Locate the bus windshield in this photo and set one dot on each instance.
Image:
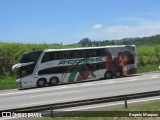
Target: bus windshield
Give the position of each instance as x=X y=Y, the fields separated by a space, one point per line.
x=30 y=57
x=24 y=71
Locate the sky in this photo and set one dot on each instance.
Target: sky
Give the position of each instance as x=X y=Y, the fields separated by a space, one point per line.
x=69 y=21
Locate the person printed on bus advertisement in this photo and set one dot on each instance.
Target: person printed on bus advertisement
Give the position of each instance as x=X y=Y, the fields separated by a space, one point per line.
x=122 y=59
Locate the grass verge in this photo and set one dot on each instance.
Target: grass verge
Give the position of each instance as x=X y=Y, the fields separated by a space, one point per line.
x=148 y=68
x=7 y=83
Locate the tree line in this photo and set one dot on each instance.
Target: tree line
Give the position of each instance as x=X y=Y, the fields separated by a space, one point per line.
x=152 y=40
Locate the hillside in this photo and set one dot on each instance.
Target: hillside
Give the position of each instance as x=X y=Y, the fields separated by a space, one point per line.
x=152 y=40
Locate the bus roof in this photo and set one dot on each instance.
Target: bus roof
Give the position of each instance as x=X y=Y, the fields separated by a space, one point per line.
x=86 y=48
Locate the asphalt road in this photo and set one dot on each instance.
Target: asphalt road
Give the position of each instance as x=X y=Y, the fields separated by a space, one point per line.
x=10 y=99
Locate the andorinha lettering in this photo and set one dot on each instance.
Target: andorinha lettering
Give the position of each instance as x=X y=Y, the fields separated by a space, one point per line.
x=82 y=60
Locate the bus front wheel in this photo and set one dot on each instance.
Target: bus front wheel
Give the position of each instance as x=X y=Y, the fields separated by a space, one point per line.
x=41 y=82
x=53 y=81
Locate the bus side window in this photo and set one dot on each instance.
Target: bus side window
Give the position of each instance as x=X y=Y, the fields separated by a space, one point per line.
x=68 y=55
x=76 y=54
x=55 y=56
x=71 y=54
x=61 y=55
x=46 y=57
x=100 y=52
x=95 y=53
x=83 y=54
x=90 y=53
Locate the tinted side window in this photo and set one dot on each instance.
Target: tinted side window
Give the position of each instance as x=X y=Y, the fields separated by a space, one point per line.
x=89 y=53
x=65 y=55
x=49 y=56
x=101 y=52
x=53 y=70
x=46 y=57
x=76 y=54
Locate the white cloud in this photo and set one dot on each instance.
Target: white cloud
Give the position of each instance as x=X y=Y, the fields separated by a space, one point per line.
x=140 y=29
x=97 y=26
x=119 y=32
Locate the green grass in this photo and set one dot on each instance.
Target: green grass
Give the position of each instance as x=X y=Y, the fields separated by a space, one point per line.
x=7 y=83
x=154 y=106
x=148 y=68
x=148 y=54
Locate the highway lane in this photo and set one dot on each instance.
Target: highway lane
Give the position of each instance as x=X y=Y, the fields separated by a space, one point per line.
x=79 y=91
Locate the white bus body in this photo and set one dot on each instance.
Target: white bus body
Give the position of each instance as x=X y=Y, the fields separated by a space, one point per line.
x=58 y=66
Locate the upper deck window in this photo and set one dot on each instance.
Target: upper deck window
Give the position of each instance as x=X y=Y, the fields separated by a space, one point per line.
x=30 y=57
x=72 y=54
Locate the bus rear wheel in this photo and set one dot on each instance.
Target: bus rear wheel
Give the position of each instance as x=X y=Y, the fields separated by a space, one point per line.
x=108 y=75
x=118 y=74
x=53 y=81
x=41 y=82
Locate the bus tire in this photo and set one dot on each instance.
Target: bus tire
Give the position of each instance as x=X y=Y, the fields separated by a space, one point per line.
x=41 y=82
x=53 y=81
x=118 y=74
x=108 y=75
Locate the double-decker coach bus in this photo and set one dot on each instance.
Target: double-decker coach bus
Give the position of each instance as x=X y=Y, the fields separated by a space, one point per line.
x=57 y=66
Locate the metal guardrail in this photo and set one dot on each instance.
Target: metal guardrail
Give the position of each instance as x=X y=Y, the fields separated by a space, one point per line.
x=54 y=106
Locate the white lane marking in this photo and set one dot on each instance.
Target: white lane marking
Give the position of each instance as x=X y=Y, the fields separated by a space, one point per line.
x=120 y=103
x=52 y=101
x=32 y=91
x=10 y=118
x=75 y=91
x=92 y=107
x=150 y=99
x=154 y=76
x=9 y=90
x=120 y=80
x=88 y=84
